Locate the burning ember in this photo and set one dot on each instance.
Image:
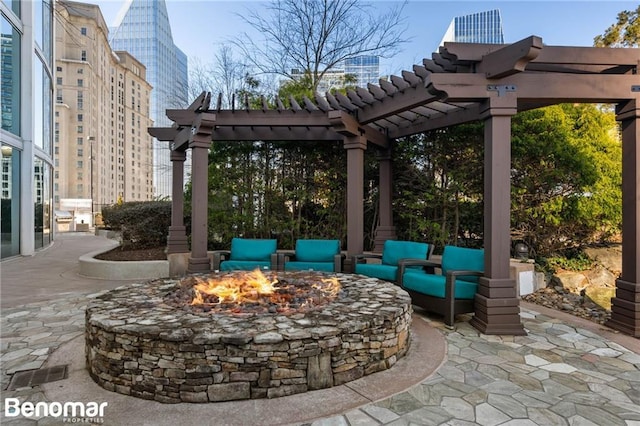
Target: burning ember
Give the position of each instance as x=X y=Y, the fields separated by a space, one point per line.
x=255 y=292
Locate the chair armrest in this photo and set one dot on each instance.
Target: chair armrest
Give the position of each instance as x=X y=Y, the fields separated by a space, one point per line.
x=275 y=261
x=218 y=257
x=450 y=283
x=338 y=261
x=403 y=263
x=284 y=256
x=359 y=258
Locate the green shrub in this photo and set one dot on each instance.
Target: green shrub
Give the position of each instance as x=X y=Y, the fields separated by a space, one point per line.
x=142 y=224
x=574 y=262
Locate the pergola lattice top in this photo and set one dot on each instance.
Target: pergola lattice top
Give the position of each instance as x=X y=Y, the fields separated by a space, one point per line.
x=445 y=90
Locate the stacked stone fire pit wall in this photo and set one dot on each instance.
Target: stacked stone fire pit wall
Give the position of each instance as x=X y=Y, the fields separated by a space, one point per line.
x=137 y=345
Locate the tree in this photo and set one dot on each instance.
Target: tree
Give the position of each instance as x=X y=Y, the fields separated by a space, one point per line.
x=566 y=177
x=624 y=33
x=309 y=37
x=227 y=76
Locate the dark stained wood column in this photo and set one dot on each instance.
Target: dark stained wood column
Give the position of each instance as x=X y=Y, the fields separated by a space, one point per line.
x=497 y=305
x=177 y=241
x=625 y=306
x=199 y=261
x=355 y=146
x=385 y=230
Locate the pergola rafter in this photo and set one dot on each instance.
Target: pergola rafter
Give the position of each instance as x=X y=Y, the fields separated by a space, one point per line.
x=460 y=83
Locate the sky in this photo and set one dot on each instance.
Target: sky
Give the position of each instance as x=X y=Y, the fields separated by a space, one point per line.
x=200 y=27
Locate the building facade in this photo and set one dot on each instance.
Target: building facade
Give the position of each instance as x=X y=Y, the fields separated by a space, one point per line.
x=26 y=162
x=482 y=27
x=143 y=29
x=358 y=71
x=365 y=68
x=102 y=150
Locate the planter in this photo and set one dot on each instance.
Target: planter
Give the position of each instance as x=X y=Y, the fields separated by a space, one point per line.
x=121 y=270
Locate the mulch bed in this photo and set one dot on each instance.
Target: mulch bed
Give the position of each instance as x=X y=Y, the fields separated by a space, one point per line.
x=124 y=254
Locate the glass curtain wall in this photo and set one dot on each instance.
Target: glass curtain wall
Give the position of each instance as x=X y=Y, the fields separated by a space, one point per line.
x=24 y=231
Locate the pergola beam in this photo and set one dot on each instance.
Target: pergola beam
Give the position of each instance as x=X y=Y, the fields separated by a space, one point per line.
x=510 y=59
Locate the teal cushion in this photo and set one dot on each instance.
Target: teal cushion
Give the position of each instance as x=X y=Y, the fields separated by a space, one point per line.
x=465 y=259
x=393 y=251
x=243 y=265
x=309 y=266
x=252 y=249
x=434 y=285
x=384 y=272
x=317 y=250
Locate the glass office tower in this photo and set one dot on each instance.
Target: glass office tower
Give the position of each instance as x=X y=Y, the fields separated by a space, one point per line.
x=26 y=163
x=482 y=27
x=365 y=68
x=143 y=30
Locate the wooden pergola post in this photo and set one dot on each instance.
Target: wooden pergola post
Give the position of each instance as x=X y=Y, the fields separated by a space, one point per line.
x=177 y=241
x=199 y=260
x=497 y=305
x=355 y=146
x=385 y=229
x=625 y=306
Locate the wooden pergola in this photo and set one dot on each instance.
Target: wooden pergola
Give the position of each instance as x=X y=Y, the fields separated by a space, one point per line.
x=461 y=83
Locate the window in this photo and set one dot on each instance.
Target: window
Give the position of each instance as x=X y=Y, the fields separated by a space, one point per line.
x=59 y=81
x=80 y=129
x=80 y=164
x=80 y=82
x=80 y=117
x=83 y=55
x=59 y=69
x=80 y=70
x=59 y=97
x=80 y=100
x=80 y=152
x=79 y=141
x=83 y=31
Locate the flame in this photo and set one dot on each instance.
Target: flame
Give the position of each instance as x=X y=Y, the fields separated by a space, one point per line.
x=247 y=288
x=234 y=290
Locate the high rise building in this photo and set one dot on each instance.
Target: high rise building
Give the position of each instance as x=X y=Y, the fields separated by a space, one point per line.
x=365 y=69
x=482 y=27
x=26 y=96
x=143 y=30
x=102 y=149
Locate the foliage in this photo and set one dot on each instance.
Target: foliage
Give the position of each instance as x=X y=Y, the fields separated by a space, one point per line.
x=283 y=190
x=438 y=186
x=310 y=37
x=570 y=262
x=142 y=224
x=624 y=33
x=566 y=177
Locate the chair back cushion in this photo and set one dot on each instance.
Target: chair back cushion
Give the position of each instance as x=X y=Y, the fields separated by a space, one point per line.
x=317 y=250
x=465 y=259
x=393 y=251
x=252 y=249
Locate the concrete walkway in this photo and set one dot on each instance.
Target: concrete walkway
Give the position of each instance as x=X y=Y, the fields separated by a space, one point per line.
x=566 y=371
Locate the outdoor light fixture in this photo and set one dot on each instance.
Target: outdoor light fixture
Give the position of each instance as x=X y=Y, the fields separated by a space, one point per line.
x=522 y=251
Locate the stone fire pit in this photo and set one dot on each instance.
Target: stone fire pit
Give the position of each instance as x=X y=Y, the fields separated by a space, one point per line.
x=138 y=345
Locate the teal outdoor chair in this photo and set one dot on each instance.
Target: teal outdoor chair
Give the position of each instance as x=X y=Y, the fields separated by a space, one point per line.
x=316 y=255
x=450 y=293
x=392 y=252
x=246 y=255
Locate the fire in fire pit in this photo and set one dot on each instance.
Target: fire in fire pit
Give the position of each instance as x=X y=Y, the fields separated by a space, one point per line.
x=255 y=292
